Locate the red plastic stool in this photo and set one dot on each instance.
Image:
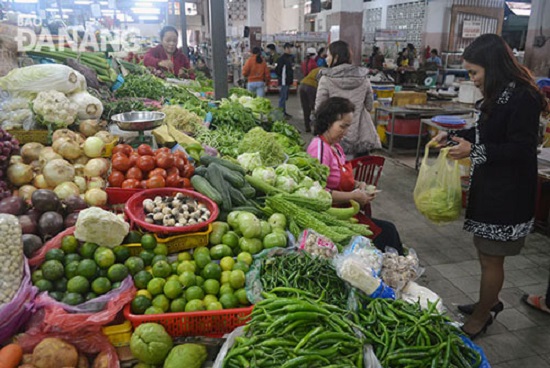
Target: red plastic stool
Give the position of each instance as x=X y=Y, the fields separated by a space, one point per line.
x=367 y=169
x=365 y=220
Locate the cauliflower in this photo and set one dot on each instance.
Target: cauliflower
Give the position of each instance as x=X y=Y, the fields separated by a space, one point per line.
x=55 y=108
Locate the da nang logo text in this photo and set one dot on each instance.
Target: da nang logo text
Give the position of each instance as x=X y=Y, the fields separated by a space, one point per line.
x=30 y=40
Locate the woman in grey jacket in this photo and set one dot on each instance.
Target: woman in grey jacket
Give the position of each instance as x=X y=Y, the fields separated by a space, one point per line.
x=342 y=79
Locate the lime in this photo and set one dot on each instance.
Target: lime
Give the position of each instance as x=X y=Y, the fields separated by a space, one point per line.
x=187 y=279
x=241 y=296
x=71 y=257
x=210 y=299
x=162 y=302
x=186 y=266
x=69 y=244
x=87 y=250
x=245 y=257
x=237 y=279
x=72 y=299
x=200 y=250
x=104 y=257
x=194 y=306
x=37 y=275
x=184 y=256
x=141 y=279
x=266 y=228
x=226 y=289
x=240 y=266
x=87 y=268
x=134 y=265
x=162 y=269
x=178 y=305
x=90 y=295
x=225 y=277
x=158 y=257
x=174 y=266
x=227 y=263
x=154 y=310
x=194 y=292
x=57 y=295
x=231 y=239
x=116 y=285
x=147 y=256
x=101 y=285
x=172 y=277
x=214 y=306
x=156 y=285
x=122 y=253
x=140 y=304
x=71 y=269
x=173 y=289
x=211 y=286
x=56 y=254
x=219 y=251
x=52 y=270
x=148 y=242
x=200 y=280
x=212 y=271
x=44 y=285
x=60 y=285
x=133 y=237
x=229 y=301
x=78 y=284
x=145 y=293
x=161 y=250
x=117 y=272
x=202 y=259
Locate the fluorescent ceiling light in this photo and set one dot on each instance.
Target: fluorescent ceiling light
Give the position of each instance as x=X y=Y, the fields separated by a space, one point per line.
x=145 y=10
x=26 y=1
x=519 y=9
x=128 y=18
x=103 y=3
x=148 y=17
x=107 y=11
x=145 y=4
x=82 y=2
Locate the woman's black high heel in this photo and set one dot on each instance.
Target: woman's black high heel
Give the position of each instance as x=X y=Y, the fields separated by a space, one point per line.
x=469 y=308
x=473 y=336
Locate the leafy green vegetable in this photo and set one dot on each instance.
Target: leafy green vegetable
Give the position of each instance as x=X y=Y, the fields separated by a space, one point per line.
x=289 y=131
x=266 y=174
x=238 y=91
x=258 y=140
x=225 y=139
x=249 y=161
x=310 y=166
x=145 y=86
x=439 y=204
x=290 y=170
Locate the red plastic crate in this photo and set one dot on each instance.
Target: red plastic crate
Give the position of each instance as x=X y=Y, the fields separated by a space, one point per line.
x=120 y=195
x=206 y=323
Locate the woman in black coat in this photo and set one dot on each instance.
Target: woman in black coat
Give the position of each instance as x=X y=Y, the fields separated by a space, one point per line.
x=502 y=147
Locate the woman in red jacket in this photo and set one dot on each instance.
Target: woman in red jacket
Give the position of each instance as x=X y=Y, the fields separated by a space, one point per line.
x=256 y=72
x=167 y=57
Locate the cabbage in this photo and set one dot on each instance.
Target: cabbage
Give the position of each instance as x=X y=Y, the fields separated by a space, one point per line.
x=439 y=204
x=250 y=161
x=89 y=107
x=32 y=79
x=316 y=191
x=290 y=170
x=266 y=174
x=285 y=183
x=306 y=183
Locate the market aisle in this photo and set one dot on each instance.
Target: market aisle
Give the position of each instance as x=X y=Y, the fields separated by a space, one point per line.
x=520 y=336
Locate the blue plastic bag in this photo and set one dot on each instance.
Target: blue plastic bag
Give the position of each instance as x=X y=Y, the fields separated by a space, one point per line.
x=469 y=343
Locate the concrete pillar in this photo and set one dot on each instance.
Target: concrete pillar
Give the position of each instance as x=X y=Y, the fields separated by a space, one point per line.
x=348 y=14
x=219 y=48
x=536 y=57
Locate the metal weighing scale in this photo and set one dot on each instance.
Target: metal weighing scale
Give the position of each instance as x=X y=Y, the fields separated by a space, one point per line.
x=139 y=121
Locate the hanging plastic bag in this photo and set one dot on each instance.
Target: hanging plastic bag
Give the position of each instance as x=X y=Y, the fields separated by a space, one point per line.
x=437 y=193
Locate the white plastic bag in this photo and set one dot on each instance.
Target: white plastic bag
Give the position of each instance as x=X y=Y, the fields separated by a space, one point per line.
x=227 y=345
x=413 y=293
x=398 y=270
x=317 y=244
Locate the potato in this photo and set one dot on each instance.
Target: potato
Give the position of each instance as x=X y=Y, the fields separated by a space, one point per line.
x=101 y=361
x=83 y=362
x=27 y=359
x=54 y=353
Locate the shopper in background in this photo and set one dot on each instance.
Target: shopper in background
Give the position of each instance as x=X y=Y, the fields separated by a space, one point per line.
x=321 y=58
x=309 y=62
x=285 y=74
x=256 y=72
x=272 y=55
x=308 y=92
x=342 y=79
x=333 y=118
x=540 y=302
x=167 y=57
x=434 y=58
x=502 y=147
x=376 y=60
x=203 y=68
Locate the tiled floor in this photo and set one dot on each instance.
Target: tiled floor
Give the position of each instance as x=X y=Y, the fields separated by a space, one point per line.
x=520 y=337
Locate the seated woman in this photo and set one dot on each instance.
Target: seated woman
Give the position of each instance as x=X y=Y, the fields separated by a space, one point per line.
x=333 y=118
x=166 y=57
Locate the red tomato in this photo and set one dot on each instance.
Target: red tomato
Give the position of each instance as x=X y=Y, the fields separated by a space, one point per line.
x=186 y=183
x=162 y=150
x=116 y=178
x=134 y=173
x=121 y=162
x=171 y=171
x=182 y=155
x=143 y=184
x=145 y=149
x=179 y=162
x=188 y=171
x=123 y=148
x=130 y=183
x=134 y=156
x=156 y=181
x=174 y=181
x=165 y=161
x=158 y=171
x=146 y=163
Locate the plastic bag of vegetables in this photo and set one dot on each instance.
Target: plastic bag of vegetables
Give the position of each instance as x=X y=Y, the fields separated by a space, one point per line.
x=437 y=193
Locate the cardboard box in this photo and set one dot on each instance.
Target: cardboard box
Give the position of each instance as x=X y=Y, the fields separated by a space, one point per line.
x=409 y=98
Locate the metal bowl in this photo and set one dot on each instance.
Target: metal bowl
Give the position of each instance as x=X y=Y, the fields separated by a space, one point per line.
x=138 y=120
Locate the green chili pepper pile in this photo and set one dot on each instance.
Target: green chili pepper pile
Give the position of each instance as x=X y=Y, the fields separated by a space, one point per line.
x=301 y=271
x=296 y=332
x=403 y=335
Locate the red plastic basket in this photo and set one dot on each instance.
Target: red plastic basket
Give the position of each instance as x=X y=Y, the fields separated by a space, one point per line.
x=120 y=195
x=206 y=323
x=134 y=210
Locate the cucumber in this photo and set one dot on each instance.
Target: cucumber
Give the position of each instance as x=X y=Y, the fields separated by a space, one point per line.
x=254 y=210
x=202 y=186
x=215 y=177
x=234 y=177
x=201 y=170
x=237 y=198
x=247 y=190
x=207 y=160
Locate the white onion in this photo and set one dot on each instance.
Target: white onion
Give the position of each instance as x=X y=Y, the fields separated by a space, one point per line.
x=26 y=191
x=36 y=166
x=97 y=182
x=58 y=171
x=82 y=160
x=39 y=182
x=93 y=147
x=95 y=167
x=16 y=159
x=31 y=151
x=46 y=155
x=89 y=127
x=80 y=183
x=20 y=174
x=67 y=148
x=64 y=133
x=105 y=136
x=66 y=189
x=96 y=197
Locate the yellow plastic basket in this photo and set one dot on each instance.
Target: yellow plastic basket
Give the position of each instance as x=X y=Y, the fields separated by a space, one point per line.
x=119 y=335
